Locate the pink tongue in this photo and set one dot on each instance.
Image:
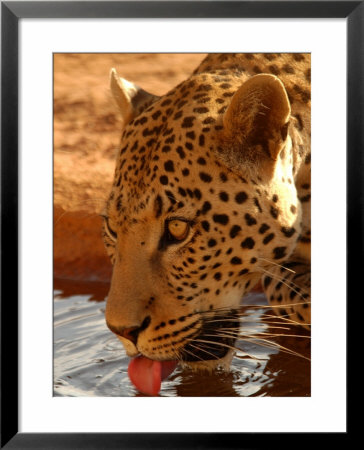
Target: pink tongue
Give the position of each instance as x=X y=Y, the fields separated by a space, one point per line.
x=147 y=375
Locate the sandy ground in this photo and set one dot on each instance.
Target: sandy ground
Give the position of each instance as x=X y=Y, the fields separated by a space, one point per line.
x=87 y=129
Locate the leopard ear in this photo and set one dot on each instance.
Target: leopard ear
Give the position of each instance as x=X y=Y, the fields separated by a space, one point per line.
x=256 y=120
x=130 y=98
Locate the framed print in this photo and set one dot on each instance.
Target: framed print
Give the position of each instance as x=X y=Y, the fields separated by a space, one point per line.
x=67 y=372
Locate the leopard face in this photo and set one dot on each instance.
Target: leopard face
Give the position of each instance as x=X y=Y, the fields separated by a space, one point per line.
x=205 y=201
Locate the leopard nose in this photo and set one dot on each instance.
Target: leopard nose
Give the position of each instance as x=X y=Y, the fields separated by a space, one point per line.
x=130 y=333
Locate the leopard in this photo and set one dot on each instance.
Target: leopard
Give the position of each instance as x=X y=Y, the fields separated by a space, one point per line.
x=211 y=197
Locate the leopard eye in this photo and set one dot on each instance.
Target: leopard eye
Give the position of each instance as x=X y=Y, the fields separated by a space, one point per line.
x=178 y=229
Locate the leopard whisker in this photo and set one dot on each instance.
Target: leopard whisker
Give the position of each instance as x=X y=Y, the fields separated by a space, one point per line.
x=286 y=319
x=275 y=306
x=259 y=341
x=276 y=264
x=270 y=327
x=281 y=280
x=201 y=349
x=221 y=344
x=100 y=203
x=260 y=338
x=272 y=344
x=190 y=353
x=286 y=335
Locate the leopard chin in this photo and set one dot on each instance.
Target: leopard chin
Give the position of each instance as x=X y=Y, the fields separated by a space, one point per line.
x=210 y=365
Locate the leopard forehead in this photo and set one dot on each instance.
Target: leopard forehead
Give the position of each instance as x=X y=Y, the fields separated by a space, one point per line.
x=176 y=135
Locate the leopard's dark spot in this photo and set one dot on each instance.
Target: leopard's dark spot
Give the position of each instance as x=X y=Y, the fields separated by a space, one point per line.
x=169 y=166
x=279 y=252
x=268 y=238
x=163 y=179
x=205 y=225
x=223 y=219
x=211 y=243
x=241 y=197
x=205 y=177
x=248 y=243
x=236 y=260
x=224 y=196
x=206 y=207
x=250 y=220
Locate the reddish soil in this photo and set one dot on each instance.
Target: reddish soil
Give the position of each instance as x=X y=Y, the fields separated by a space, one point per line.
x=87 y=129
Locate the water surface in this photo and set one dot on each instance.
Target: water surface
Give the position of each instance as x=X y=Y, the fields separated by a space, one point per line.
x=90 y=361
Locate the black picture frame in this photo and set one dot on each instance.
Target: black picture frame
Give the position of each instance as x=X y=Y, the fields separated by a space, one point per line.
x=11 y=12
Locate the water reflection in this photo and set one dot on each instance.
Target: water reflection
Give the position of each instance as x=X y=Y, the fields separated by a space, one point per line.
x=90 y=361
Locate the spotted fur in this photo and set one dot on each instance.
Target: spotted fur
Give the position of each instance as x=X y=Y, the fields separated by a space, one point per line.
x=227 y=155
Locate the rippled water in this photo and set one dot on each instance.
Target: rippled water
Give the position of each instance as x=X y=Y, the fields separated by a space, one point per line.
x=90 y=361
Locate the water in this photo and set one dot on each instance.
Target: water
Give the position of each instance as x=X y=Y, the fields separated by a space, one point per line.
x=90 y=361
